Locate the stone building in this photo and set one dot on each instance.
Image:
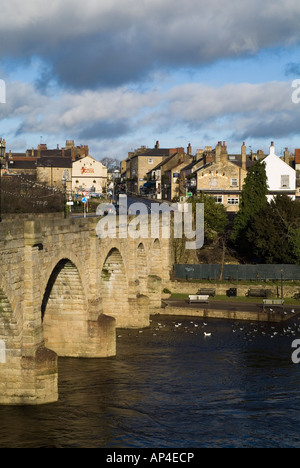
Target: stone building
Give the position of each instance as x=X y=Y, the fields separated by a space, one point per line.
x=223 y=178
x=55 y=171
x=52 y=167
x=143 y=160
x=166 y=175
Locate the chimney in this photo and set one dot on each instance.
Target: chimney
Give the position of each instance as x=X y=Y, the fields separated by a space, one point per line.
x=287 y=156
x=157 y=145
x=244 y=157
x=63 y=152
x=199 y=154
x=272 y=148
x=224 y=154
x=189 y=149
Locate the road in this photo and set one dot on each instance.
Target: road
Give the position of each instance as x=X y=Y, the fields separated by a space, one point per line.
x=149 y=203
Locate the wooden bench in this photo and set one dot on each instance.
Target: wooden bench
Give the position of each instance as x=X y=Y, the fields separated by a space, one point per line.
x=207 y=292
x=193 y=298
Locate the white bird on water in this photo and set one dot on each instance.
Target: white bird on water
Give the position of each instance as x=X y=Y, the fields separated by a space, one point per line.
x=207 y=334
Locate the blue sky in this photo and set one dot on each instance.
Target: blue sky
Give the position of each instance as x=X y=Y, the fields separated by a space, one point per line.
x=116 y=75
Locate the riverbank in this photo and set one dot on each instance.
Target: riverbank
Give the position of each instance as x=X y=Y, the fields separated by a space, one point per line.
x=230 y=309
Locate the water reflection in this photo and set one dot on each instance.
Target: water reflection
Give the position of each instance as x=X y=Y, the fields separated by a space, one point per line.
x=172 y=387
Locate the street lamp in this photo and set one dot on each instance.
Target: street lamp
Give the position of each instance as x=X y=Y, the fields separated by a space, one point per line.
x=2 y=155
x=64 y=185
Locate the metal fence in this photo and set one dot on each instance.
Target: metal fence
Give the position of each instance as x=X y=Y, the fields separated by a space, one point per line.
x=237 y=272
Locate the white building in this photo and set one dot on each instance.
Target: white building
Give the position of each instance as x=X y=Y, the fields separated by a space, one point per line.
x=89 y=174
x=280 y=176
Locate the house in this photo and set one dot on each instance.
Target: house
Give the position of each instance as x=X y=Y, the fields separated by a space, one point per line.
x=281 y=176
x=223 y=177
x=89 y=174
x=167 y=175
x=20 y=164
x=52 y=167
x=55 y=171
x=142 y=161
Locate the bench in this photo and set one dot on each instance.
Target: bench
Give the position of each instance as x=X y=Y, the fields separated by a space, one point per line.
x=198 y=298
x=207 y=292
x=259 y=293
x=268 y=303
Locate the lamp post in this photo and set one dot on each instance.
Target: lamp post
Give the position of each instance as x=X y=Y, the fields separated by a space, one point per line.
x=64 y=185
x=2 y=155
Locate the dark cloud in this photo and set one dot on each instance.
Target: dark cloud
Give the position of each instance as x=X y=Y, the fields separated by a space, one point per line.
x=110 y=43
x=279 y=126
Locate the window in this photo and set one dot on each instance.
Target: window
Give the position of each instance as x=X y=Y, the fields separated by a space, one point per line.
x=234 y=183
x=233 y=201
x=150 y=161
x=66 y=175
x=218 y=198
x=285 y=181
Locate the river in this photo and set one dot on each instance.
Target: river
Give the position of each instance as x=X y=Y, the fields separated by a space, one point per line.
x=172 y=387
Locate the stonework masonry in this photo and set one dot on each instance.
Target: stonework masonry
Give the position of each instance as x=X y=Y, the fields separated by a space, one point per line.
x=63 y=292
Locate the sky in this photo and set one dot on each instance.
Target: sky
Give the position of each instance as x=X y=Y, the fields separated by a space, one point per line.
x=116 y=74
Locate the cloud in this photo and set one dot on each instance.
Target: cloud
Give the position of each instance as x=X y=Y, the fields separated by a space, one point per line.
x=112 y=42
x=88 y=115
x=241 y=111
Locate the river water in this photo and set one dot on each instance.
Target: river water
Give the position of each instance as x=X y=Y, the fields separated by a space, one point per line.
x=172 y=387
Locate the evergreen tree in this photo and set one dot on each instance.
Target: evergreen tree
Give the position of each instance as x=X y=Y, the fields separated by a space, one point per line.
x=215 y=217
x=275 y=232
x=253 y=200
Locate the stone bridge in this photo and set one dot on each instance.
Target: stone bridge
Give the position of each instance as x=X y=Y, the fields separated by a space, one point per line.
x=63 y=292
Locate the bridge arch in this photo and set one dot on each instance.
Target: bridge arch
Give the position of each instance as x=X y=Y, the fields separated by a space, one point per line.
x=114 y=287
x=60 y=257
x=64 y=310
